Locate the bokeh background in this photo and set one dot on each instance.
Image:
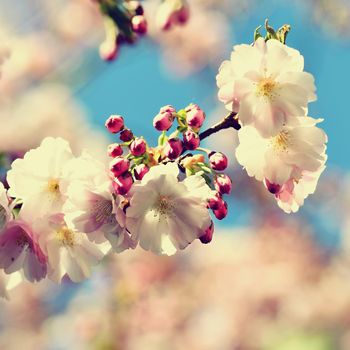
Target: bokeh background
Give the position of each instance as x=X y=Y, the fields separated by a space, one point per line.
x=269 y=280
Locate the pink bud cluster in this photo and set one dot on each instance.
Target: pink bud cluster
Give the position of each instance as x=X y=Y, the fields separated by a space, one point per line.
x=189 y=122
x=122 y=24
x=120 y=167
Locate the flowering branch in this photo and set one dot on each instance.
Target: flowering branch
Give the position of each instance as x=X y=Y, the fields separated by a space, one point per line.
x=230 y=121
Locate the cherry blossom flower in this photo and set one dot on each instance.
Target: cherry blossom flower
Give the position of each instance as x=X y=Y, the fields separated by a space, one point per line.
x=69 y=252
x=38 y=178
x=294 y=191
x=19 y=250
x=91 y=206
x=266 y=85
x=165 y=214
x=284 y=159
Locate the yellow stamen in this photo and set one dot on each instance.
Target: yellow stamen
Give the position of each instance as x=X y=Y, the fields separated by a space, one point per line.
x=65 y=236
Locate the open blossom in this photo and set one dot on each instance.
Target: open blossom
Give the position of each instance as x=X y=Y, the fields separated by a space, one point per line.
x=19 y=250
x=69 y=252
x=294 y=191
x=38 y=178
x=266 y=85
x=284 y=159
x=91 y=206
x=166 y=214
x=4 y=210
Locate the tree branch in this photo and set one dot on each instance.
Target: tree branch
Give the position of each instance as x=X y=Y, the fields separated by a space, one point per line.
x=230 y=121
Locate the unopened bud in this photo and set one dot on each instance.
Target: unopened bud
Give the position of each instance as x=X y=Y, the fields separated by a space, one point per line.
x=139 y=24
x=140 y=171
x=114 y=123
x=218 y=161
x=108 y=50
x=221 y=212
x=208 y=234
x=126 y=135
x=223 y=184
x=123 y=183
x=114 y=150
x=163 y=121
x=138 y=147
x=173 y=148
x=118 y=166
x=191 y=140
x=194 y=116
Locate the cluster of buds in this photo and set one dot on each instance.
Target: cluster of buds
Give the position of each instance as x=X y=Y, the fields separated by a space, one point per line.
x=171 y=13
x=124 y=22
x=178 y=142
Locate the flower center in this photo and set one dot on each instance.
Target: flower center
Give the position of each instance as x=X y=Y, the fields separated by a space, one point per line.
x=102 y=211
x=280 y=142
x=53 y=186
x=267 y=88
x=65 y=236
x=164 y=206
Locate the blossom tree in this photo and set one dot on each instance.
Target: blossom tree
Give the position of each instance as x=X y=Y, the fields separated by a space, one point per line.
x=62 y=213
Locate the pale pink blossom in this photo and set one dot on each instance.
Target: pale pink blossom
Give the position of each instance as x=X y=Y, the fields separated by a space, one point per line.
x=19 y=250
x=296 y=152
x=294 y=191
x=266 y=85
x=165 y=214
x=38 y=179
x=69 y=251
x=91 y=206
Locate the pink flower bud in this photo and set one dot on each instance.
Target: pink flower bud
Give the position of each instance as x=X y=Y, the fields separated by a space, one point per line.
x=140 y=171
x=126 y=135
x=183 y=14
x=123 y=183
x=191 y=140
x=114 y=150
x=221 y=212
x=215 y=203
x=139 y=24
x=163 y=121
x=218 y=161
x=223 y=184
x=138 y=147
x=173 y=148
x=118 y=166
x=114 y=123
x=271 y=187
x=108 y=50
x=168 y=108
x=194 y=116
x=208 y=234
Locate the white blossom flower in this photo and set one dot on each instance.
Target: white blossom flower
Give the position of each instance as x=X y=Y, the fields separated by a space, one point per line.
x=166 y=214
x=294 y=191
x=69 y=252
x=296 y=151
x=91 y=205
x=38 y=179
x=266 y=85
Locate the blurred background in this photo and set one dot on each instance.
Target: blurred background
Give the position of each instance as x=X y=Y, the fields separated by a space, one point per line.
x=268 y=281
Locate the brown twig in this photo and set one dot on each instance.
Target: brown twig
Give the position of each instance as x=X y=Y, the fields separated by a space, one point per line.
x=230 y=121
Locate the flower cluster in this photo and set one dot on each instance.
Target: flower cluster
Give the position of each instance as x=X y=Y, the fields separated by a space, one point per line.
x=62 y=214
x=266 y=86
x=124 y=21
